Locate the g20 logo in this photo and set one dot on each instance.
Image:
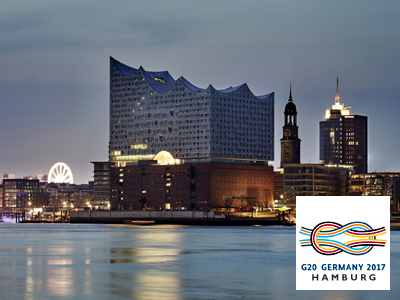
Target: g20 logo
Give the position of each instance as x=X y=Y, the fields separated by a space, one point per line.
x=361 y=238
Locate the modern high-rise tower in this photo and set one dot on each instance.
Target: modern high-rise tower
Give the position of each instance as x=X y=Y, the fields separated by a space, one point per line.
x=290 y=142
x=343 y=137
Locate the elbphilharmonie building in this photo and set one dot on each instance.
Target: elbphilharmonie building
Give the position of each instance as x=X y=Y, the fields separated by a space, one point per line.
x=152 y=113
x=174 y=145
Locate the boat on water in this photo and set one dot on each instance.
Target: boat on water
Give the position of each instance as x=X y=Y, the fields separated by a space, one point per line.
x=138 y=222
x=11 y=220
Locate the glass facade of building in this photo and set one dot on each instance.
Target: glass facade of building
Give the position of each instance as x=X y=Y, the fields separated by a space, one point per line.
x=22 y=194
x=314 y=180
x=377 y=184
x=151 y=112
x=343 y=138
x=101 y=185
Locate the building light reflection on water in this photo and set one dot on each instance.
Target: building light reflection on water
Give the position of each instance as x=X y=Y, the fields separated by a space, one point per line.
x=143 y=255
x=153 y=281
x=29 y=280
x=156 y=284
x=59 y=280
x=141 y=274
x=170 y=262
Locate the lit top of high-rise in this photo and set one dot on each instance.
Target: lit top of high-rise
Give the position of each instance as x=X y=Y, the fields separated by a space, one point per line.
x=337 y=108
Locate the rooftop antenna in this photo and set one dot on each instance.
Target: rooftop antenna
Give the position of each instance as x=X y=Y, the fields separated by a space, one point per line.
x=337 y=98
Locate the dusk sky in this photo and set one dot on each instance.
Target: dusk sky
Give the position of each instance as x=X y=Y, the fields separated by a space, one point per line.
x=54 y=68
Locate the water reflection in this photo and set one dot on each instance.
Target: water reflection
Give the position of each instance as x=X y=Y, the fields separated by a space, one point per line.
x=122 y=262
x=143 y=255
x=29 y=281
x=156 y=284
x=151 y=274
x=60 y=281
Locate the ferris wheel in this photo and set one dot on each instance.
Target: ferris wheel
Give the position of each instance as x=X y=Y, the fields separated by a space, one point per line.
x=60 y=173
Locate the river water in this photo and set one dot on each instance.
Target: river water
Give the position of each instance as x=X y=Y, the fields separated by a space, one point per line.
x=90 y=261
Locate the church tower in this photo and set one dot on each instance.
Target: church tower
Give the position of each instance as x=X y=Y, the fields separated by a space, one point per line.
x=290 y=142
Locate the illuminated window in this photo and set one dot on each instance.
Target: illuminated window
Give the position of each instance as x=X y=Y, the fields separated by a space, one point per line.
x=160 y=79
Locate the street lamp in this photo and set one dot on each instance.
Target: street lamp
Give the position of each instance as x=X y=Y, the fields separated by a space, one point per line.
x=30 y=209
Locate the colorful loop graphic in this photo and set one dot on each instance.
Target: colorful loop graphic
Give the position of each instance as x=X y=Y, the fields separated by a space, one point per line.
x=323 y=238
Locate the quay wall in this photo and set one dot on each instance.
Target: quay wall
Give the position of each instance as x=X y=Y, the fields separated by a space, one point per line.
x=169 y=217
x=161 y=217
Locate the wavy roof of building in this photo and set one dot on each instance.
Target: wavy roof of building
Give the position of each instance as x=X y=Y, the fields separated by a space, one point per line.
x=162 y=81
